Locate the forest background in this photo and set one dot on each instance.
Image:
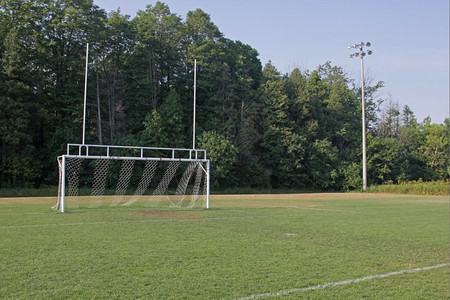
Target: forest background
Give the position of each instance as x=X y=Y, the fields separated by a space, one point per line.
x=261 y=128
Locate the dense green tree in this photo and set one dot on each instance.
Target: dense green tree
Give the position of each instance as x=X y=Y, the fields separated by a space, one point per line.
x=222 y=155
x=165 y=127
x=352 y=178
x=410 y=134
x=241 y=109
x=17 y=109
x=317 y=106
x=389 y=121
x=322 y=164
x=52 y=36
x=110 y=68
x=204 y=42
x=387 y=160
x=317 y=93
x=343 y=125
x=372 y=103
x=436 y=148
x=155 y=62
x=261 y=128
x=278 y=131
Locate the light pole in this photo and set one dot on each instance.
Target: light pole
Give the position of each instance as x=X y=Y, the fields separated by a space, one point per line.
x=361 y=53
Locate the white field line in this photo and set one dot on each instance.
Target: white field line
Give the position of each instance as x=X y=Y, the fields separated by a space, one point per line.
x=333 y=284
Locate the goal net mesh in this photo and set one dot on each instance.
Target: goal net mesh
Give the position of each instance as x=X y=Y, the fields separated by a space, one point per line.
x=106 y=182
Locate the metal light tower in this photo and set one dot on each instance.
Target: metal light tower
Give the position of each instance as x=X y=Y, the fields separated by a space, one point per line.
x=361 y=53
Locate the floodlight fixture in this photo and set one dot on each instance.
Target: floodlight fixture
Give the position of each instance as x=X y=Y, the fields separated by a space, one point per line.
x=361 y=53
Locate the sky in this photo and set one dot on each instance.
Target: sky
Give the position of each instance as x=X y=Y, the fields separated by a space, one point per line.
x=410 y=40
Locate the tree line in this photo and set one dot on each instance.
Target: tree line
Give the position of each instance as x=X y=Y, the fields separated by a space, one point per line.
x=261 y=128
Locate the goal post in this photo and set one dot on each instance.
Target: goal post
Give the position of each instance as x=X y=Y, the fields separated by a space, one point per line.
x=103 y=175
x=96 y=175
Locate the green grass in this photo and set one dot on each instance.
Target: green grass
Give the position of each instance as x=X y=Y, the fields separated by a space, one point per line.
x=245 y=245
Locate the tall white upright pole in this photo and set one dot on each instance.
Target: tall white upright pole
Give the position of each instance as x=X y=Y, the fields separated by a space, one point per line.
x=361 y=53
x=195 y=100
x=85 y=92
x=62 y=203
x=208 y=180
x=363 y=127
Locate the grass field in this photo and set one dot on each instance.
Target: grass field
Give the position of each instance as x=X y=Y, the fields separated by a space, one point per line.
x=298 y=246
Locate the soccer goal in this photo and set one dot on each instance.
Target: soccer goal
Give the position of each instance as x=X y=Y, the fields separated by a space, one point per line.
x=92 y=176
x=100 y=175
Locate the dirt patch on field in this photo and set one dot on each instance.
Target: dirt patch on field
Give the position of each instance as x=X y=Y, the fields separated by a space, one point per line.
x=159 y=213
x=169 y=214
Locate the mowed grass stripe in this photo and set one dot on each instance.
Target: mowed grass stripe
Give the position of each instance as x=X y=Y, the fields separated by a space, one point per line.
x=164 y=220
x=170 y=215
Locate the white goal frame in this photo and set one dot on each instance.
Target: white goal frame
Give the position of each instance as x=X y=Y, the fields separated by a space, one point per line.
x=89 y=151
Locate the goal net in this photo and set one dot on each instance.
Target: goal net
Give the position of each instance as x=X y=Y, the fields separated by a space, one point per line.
x=92 y=176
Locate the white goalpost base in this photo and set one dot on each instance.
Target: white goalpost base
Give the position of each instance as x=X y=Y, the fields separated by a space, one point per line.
x=91 y=176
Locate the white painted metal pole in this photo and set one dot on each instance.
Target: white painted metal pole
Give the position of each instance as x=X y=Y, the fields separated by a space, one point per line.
x=85 y=92
x=195 y=100
x=208 y=179
x=363 y=102
x=63 y=184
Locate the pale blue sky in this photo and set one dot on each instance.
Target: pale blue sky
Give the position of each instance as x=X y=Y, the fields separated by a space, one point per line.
x=410 y=40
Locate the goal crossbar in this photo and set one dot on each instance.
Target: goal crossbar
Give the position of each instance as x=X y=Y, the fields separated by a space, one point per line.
x=130 y=153
x=135 y=152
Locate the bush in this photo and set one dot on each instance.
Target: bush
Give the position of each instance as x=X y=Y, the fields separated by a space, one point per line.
x=419 y=187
